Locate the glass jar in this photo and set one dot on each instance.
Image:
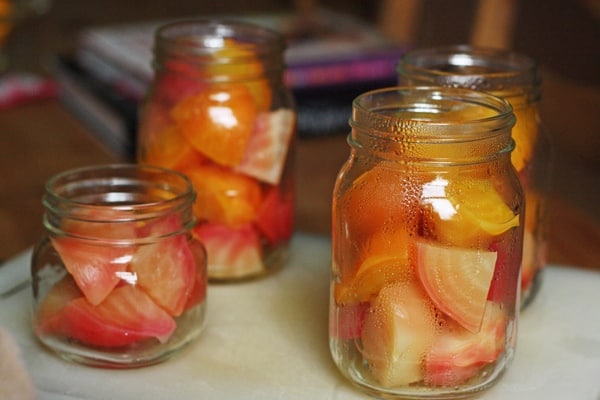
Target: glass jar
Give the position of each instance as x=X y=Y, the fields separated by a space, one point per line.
x=514 y=77
x=118 y=280
x=219 y=112
x=426 y=244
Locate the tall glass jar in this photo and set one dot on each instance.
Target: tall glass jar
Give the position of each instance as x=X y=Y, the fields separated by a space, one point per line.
x=118 y=281
x=514 y=77
x=426 y=244
x=219 y=112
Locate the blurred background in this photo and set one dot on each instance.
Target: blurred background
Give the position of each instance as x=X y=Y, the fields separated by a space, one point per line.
x=563 y=35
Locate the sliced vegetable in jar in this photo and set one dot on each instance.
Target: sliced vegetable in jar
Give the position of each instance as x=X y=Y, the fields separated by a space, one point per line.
x=525 y=133
x=224 y=196
x=457 y=280
x=240 y=61
x=467 y=211
x=386 y=260
x=95 y=265
x=347 y=321
x=232 y=252
x=382 y=198
x=50 y=307
x=268 y=146
x=458 y=355
x=218 y=121
x=399 y=329
x=275 y=216
x=126 y=316
x=168 y=148
x=166 y=269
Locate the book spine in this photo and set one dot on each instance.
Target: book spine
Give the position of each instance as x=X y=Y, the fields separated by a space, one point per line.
x=108 y=124
x=122 y=81
x=347 y=72
x=377 y=68
x=135 y=57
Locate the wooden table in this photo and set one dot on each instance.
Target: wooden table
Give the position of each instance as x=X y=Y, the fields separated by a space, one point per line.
x=40 y=139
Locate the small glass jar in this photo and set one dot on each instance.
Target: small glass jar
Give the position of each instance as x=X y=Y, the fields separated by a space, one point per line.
x=426 y=244
x=219 y=112
x=514 y=77
x=118 y=280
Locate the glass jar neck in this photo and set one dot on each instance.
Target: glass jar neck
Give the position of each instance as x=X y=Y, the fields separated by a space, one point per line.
x=219 y=51
x=93 y=202
x=432 y=125
x=507 y=74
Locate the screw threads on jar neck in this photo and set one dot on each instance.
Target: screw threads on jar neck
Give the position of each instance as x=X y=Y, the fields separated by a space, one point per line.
x=206 y=44
x=432 y=124
x=84 y=202
x=506 y=74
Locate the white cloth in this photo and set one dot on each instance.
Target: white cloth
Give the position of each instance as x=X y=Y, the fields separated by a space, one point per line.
x=15 y=382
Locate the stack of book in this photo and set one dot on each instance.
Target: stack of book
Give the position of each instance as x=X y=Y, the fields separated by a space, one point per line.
x=330 y=59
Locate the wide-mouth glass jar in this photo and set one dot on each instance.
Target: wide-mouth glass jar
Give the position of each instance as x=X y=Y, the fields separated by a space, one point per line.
x=427 y=229
x=516 y=78
x=219 y=112
x=118 y=280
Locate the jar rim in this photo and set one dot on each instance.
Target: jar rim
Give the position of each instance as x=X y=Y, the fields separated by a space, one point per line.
x=504 y=72
x=201 y=36
x=377 y=112
x=57 y=186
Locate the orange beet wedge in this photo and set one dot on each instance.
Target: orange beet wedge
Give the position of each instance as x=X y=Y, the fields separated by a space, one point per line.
x=218 y=121
x=224 y=196
x=386 y=260
x=249 y=70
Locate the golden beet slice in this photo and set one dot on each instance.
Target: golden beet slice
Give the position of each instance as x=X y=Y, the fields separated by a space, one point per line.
x=467 y=212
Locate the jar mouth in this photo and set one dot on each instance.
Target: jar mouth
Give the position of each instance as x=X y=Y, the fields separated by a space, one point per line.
x=431 y=114
x=132 y=191
x=432 y=125
x=502 y=72
x=200 y=41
